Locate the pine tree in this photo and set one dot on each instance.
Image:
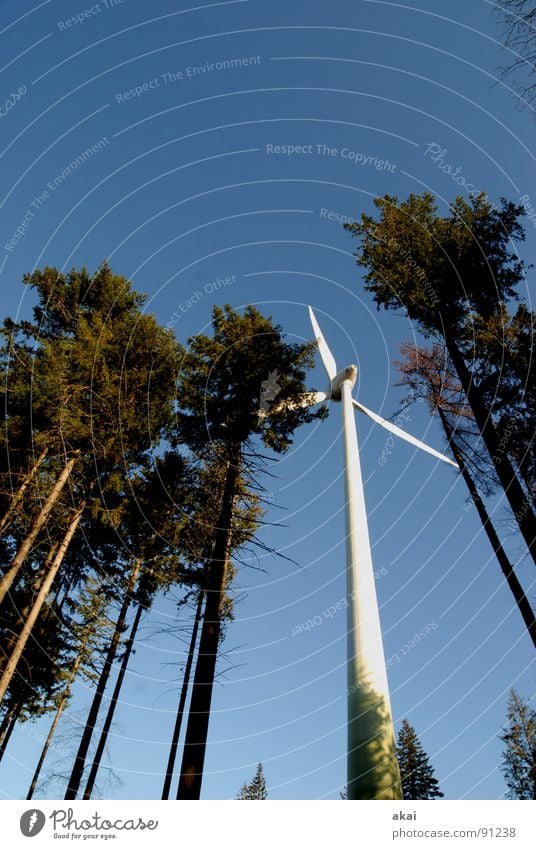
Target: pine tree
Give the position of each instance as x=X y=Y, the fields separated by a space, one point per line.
x=416 y=772
x=519 y=757
x=518 y=23
x=88 y=627
x=73 y=383
x=451 y=274
x=256 y=789
x=226 y=380
x=429 y=375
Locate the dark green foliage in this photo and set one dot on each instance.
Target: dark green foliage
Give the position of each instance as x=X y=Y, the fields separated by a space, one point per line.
x=223 y=378
x=455 y=275
x=38 y=679
x=256 y=789
x=417 y=774
x=519 y=755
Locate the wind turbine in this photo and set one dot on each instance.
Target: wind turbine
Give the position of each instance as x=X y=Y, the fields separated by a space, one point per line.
x=372 y=763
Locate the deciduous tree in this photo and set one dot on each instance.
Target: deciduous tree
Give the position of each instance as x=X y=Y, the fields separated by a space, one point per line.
x=220 y=394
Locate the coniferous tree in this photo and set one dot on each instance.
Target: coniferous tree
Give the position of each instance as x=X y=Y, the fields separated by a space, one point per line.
x=416 y=772
x=150 y=519
x=506 y=375
x=74 y=381
x=451 y=274
x=95 y=766
x=519 y=755
x=428 y=374
x=256 y=789
x=168 y=776
x=85 y=741
x=220 y=394
x=89 y=627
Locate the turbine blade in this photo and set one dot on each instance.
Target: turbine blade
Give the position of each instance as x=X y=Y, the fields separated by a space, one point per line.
x=402 y=434
x=307 y=400
x=325 y=354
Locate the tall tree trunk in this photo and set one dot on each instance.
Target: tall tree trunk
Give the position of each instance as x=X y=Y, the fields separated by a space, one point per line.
x=182 y=700
x=18 y=496
x=44 y=590
x=7 y=580
x=506 y=567
x=112 y=706
x=14 y=714
x=59 y=710
x=498 y=452
x=11 y=641
x=80 y=760
x=199 y=714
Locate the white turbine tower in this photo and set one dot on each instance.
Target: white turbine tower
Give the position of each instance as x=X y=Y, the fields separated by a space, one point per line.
x=372 y=763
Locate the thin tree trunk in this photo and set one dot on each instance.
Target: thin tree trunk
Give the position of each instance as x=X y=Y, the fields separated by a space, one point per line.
x=506 y=567
x=5 y=722
x=182 y=700
x=59 y=710
x=199 y=714
x=44 y=590
x=80 y=760
x=11 y=641
x=17 y=498
x=498 y=452
x=14 y=715
x=38 y=523
x=112 y=706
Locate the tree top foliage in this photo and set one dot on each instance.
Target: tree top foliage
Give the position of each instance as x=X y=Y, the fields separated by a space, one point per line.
x=63 y=298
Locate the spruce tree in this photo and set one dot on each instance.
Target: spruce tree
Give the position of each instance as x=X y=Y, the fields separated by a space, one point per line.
x=256 y=789
x=221 y=392
x=74 y=381
x=416 y=772
x=428 y=374
x=519 y=756
x=451 y=275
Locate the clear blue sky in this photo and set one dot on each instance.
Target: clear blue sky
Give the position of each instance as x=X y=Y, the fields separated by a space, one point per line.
x=183 y=191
